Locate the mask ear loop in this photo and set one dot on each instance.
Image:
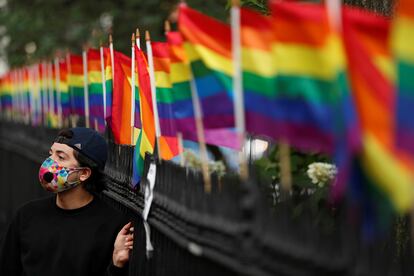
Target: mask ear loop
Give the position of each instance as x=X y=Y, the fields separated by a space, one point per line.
x=75 y=170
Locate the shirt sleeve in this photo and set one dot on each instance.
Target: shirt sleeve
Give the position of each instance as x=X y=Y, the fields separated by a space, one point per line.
x=10 y=261
x=116 y=271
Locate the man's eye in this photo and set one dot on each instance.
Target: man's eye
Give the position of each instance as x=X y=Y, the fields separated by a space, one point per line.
x=61 y=158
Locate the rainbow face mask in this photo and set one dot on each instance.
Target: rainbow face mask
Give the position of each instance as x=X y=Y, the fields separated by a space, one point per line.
x=54 y=178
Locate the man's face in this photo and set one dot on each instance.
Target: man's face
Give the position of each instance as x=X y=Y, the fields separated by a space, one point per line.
x=63 y=155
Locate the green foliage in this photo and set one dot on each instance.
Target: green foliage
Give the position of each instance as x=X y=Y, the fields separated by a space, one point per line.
x=306 y=196
x=70 y=24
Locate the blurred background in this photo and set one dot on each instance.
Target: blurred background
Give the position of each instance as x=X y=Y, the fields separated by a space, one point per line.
x=31 y=30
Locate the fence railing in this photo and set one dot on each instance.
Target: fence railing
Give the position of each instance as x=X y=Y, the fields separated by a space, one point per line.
x=234 y=229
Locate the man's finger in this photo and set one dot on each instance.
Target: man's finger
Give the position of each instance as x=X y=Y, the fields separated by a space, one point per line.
x=124 y=230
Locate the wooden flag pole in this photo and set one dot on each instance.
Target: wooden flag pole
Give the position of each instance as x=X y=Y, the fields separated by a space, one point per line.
x=44 y=95
x=85 y=86
x=180 y=148
x=198 y=117
x=285 y=168
x=101 y=52
x=111 y=51
x=35 y=70
x=58 y=92
x=132 y=87
x=153 y=93
x=333 y=8
x=51 y=96
x=138 y=38
x=69 y=67
x=238 y=86
x=30 y=88
x=167 y=27
x=39 y=100
x=21 y=94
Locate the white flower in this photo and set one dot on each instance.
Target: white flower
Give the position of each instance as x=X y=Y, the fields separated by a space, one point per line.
x=321 y=173
x=192 y=160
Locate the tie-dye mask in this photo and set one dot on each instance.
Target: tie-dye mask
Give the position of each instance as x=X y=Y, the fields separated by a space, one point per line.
x=54 y=178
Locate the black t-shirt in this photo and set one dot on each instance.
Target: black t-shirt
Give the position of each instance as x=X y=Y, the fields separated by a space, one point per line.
x=44 y=239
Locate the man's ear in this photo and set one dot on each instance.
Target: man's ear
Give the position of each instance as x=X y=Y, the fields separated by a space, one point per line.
x=84 y=174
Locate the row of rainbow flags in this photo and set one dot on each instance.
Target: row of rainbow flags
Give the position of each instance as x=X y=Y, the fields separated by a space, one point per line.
x=323 y=78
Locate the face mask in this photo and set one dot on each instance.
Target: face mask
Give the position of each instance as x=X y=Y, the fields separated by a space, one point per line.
x=54 y=178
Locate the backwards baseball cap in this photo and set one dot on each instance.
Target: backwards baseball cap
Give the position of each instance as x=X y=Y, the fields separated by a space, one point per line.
x=87 y=142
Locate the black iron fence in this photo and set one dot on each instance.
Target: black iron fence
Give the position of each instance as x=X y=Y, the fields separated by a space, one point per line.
x=234 y=230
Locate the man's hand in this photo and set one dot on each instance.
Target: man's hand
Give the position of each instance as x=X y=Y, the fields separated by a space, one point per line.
x=123 y=244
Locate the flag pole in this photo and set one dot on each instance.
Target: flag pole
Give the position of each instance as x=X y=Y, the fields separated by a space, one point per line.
x=238 y=85
x=51 y=96
x=85 y=85
x=69 y=67
x=153 y=93
x=167 y=29
x=101 y=52
x=39 y=99
x=132 y=87
x=198 y=117
x=111 y=51
x=138 y=38
x=44 y=95
x=30 y=87
x=334 y=10
x=58 y=92
x=180 y=148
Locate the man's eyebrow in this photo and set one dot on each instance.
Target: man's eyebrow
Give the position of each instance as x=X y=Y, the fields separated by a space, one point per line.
x=59 y=152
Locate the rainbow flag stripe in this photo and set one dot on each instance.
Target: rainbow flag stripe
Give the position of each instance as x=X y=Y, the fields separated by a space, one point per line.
x=207 y=44
x=146 y=139
x=382 y=175
x=64 y=88
x=95 y=89
x=299 y=96
x=108 y=82
x=121 y=99
x=402 y=41
x=168 y=140
x=76 y=84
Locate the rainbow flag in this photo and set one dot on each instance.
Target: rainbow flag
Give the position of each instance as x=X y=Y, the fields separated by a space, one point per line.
x=146 y=139
x=51 y=92
x=294 y=57
x=6 y=94
x=121 y=100
x=64 y=89
x=76 y=84
x=303 y=96
x=44 y=93
x=108 y=82
x=382 y=169
x=54 y=88
x=402 y=46
x=182 y=105
x=95 y=90
x=207 y=44
x=25 y=86
x=168 y=140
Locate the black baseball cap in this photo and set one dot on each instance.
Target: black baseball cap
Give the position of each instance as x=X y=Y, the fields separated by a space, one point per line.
x=87 y=142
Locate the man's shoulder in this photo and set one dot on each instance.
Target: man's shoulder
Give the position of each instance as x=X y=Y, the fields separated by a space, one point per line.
x=37 y=204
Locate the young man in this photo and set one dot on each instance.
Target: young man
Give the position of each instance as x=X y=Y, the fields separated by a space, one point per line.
x=73 y=232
